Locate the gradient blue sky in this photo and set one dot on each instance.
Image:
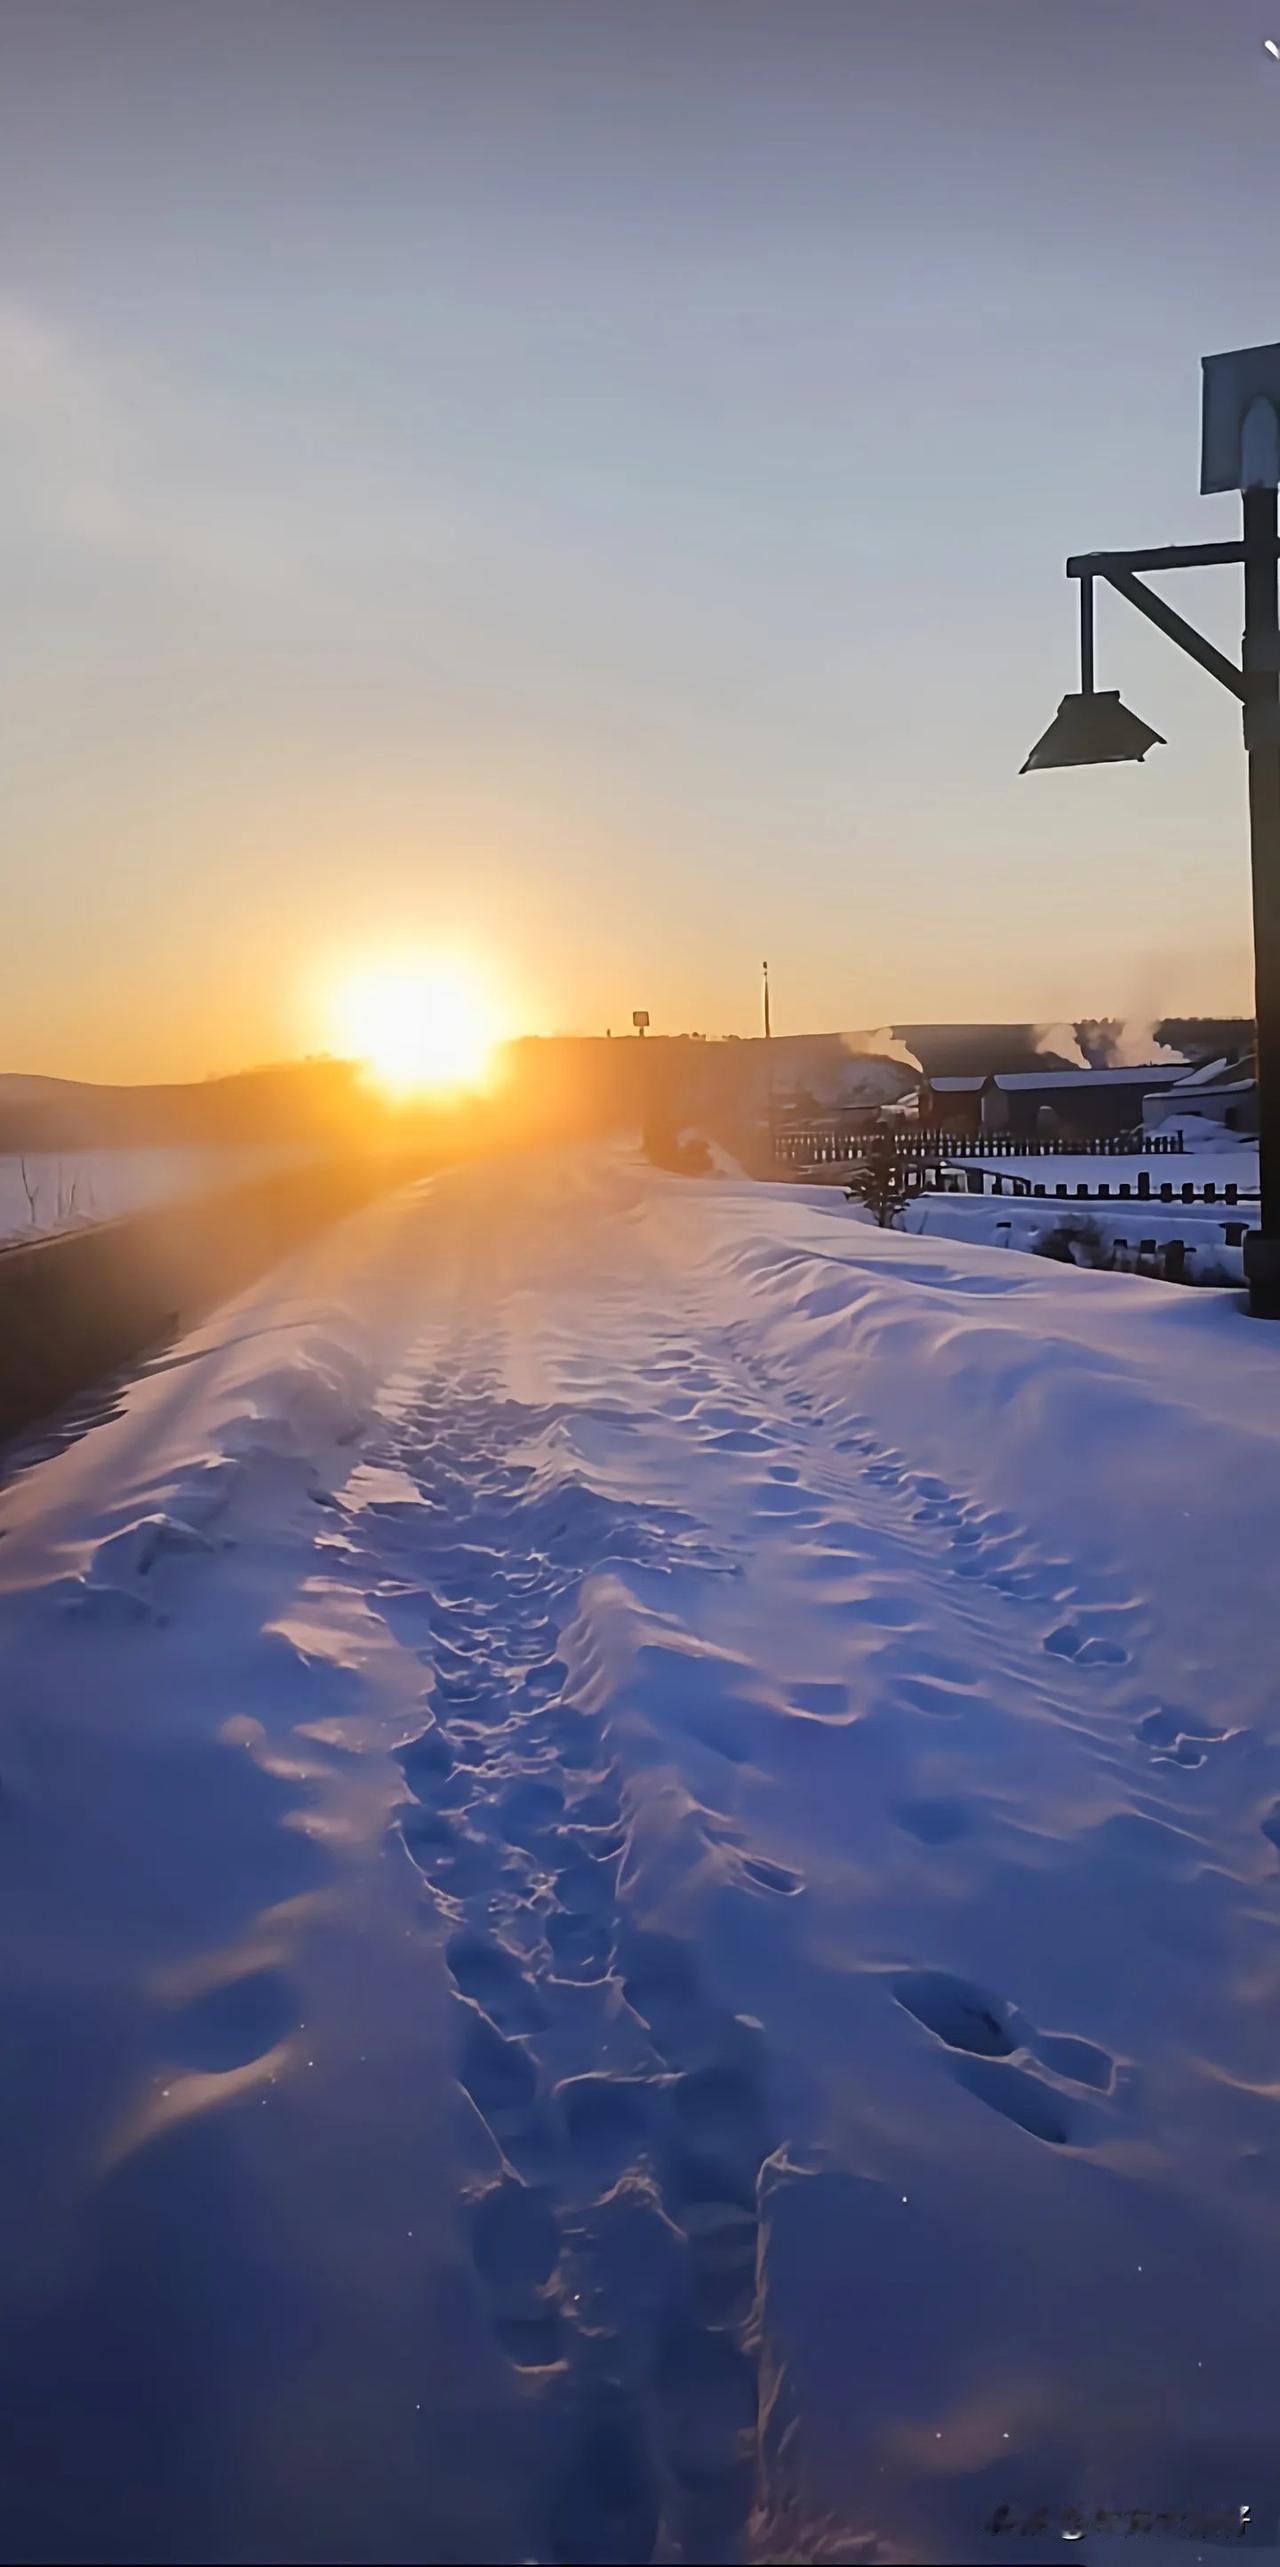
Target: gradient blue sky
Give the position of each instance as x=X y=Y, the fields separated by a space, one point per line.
x=588 y=480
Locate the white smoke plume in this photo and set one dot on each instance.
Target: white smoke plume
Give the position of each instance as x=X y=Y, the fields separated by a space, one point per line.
x=883 y=1045
x=1117 y=1043
x=1130 y=1043
x=1058 y=1042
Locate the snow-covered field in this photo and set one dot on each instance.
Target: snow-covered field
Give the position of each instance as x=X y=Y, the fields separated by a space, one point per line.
x=53 y=1190
x=641 y=1907
x=1009 y=1220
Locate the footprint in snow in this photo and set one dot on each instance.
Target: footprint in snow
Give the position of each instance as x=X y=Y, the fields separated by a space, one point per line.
x=986 y=2031
x=499 y=2075
x=773 y=1877
x=515 y=2247
x=485 y=1970
x=823 y=1700
x=1021 y=2098
x=1085 y=1649
x=608 y=2120
x=1178 y=1737
x=957 y=2012
x=447 y=1854
x=529 y=1809
x=604 y=2505
x=581 y=1947
x=425 y=1761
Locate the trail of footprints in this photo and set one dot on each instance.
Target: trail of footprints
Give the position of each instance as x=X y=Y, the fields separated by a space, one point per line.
x=616 y=2247
x=984 y=1545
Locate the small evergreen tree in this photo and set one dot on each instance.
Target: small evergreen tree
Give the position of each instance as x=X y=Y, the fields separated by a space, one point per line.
x=880 y=1182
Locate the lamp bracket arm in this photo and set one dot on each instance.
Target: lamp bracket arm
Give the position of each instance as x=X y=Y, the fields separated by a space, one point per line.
x=1168 y=621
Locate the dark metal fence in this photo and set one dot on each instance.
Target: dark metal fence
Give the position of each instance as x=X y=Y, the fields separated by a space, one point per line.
x=1142 y=1191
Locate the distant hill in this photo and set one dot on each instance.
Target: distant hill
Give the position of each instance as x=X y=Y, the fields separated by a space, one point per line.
x=1208 y=1037
x=958 y=1051
x=298 y=1101
x=22 y=1087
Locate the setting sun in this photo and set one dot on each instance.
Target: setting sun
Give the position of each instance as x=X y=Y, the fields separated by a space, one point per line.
x=419 y=1024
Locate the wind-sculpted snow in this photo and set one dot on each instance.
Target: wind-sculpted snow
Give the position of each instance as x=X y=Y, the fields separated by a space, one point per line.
x=640 y=1902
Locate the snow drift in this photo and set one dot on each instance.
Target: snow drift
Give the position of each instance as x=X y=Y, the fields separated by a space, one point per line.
x=641 y=1900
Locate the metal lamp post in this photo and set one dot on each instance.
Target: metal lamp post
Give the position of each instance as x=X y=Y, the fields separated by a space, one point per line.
x=1240 y=450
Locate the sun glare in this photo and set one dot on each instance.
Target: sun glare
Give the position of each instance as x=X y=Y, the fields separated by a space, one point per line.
x=420 y=1026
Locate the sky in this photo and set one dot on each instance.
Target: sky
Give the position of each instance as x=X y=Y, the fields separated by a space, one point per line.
x=585 y=484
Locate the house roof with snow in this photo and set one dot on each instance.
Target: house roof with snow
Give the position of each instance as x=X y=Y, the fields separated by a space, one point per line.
x=1207 y=1075
x=1221 y=1087
x=1153 y=1074
x=1225 y=1073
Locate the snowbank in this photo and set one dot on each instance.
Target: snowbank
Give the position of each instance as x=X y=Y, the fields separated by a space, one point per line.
x=1024 y=1221
x=641 y=1842
x=1201 y=1132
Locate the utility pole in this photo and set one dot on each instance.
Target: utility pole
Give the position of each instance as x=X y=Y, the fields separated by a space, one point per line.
x=768 y=1076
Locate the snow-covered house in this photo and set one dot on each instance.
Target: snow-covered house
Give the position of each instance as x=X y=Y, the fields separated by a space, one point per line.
x=955 y=1104
x=1222 y=1092
x=1076 y=1104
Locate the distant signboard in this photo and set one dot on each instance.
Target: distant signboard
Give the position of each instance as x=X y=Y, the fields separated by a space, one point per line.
x=640 y=1018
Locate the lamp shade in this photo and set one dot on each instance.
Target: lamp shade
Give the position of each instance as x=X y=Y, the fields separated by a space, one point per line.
x=1092 y=731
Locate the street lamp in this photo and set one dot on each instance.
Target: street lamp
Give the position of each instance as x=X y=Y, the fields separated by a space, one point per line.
x=1240 y=450
x=1091 y=730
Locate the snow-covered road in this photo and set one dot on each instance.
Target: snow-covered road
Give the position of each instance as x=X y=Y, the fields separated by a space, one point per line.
x=640 y=1900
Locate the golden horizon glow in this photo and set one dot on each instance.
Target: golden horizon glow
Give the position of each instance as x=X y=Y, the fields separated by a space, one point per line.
x=422 y=1024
